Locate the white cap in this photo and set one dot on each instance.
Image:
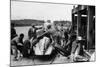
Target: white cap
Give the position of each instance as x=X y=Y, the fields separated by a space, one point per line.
x=79 y=38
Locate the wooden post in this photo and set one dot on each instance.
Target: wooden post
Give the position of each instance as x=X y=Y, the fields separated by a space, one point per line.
x=73 y=22
x=89 y=24
x=78 y=22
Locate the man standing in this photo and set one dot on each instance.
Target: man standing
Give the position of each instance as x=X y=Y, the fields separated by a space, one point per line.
x=32 y=32
x=13 y=31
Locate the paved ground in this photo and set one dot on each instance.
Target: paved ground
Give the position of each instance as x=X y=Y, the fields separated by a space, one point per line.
x=38 y=60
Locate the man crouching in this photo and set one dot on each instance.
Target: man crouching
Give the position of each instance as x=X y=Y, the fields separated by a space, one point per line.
x=17 y=46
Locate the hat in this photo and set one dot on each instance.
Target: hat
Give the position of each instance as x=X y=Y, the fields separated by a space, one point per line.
x=79 y=38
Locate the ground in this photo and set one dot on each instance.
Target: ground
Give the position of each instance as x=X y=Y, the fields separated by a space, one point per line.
x=40 y=60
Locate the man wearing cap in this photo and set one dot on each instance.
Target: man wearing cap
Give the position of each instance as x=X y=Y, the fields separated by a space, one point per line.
x=49 y=26
x=78 y=52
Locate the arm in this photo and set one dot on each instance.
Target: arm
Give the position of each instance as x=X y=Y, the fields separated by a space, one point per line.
x=39 y=28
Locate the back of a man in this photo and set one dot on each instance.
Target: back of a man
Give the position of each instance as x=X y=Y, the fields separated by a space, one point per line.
x=32 y=32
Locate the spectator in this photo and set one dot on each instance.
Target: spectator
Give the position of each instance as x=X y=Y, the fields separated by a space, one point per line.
x=13 y=31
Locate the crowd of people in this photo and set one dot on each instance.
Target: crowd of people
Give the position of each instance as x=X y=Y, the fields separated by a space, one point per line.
x=63 y=42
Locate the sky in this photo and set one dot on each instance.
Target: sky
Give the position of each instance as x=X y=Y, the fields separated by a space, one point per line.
x=40 y=11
